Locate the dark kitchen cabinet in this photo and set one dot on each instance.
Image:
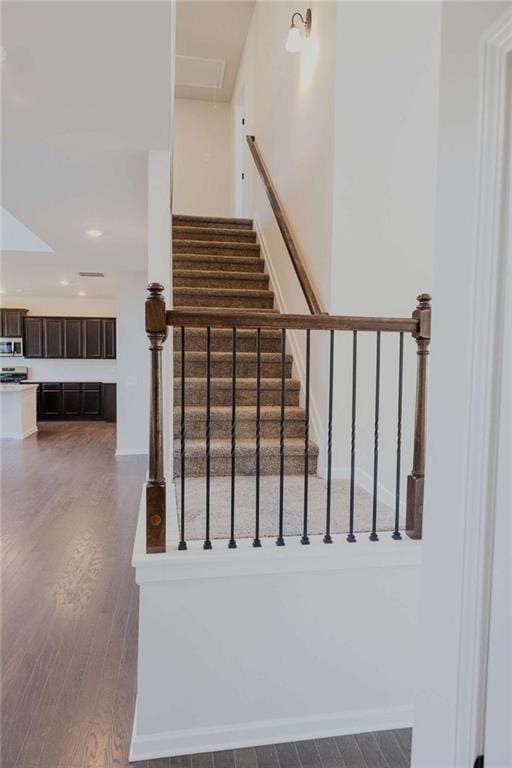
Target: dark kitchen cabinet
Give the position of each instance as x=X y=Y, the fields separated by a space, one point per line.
x=70 y=337
x=109 y=337
x=92 y=337
x=91 y=400
x=11 y=323
x=51 y=400
x=33 y=337
x=72 y=332
x=108 y=401
x=53 y=337
x=71 y=400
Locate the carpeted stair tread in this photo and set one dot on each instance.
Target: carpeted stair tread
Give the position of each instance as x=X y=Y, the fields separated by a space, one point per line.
x=217 y=221
x=203 y=261
x=196 y=278
x=213 y=233
x=201 y=308
x=244 y=412
x=221 y=364
x=213 y=247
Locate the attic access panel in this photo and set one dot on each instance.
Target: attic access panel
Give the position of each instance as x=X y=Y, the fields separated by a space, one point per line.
x=199 y=73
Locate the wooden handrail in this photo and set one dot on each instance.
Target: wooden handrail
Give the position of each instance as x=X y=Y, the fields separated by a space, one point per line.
x=282 y=222
x=229 y=318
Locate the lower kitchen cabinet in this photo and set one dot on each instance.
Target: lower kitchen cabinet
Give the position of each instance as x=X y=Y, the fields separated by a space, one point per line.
x=51 y=401
x=71 y=400
x=91 y=400
x=76 y=400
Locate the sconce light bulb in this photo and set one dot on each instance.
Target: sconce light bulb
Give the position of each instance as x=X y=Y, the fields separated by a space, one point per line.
x=294 y=41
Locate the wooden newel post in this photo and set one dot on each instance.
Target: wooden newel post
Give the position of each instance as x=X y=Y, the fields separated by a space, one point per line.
x=156 y=329
x=416 y=480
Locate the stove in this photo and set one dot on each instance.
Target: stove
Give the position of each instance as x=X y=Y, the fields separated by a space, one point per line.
x=13 y=374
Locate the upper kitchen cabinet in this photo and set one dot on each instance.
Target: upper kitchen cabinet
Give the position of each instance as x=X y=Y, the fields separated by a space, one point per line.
x=70 y=337
x=33 y=337
x=53 y=337
x=109 y=337
x=72 y=327
x=92 y=330
x=11 y=323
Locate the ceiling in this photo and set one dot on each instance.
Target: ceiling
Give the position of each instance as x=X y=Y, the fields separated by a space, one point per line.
x=86 y=94
x=208 y=29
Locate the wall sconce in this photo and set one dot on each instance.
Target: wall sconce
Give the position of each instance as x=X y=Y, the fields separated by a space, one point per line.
x=295 y=40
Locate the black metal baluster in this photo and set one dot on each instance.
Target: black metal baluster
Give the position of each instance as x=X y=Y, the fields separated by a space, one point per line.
x=373 y=534
x=396 y=533
x=183 y=543
x=328 y=537
x=232 y=542
x=351 y=537
x=280 y=539
x=305 y=537
x=257 y=542
x=207 y=543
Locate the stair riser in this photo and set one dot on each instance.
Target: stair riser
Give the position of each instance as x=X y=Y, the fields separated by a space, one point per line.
x=245 y=369
x=259 y=284
x=245 y=465
x=245 y=396
x=217 y=263
x=182 y=299
x=216 y=249
x=232 y=235
x=221 y=341
x=195 y=429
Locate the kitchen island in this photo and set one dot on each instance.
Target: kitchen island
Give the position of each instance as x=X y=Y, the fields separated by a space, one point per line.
x=18 y=410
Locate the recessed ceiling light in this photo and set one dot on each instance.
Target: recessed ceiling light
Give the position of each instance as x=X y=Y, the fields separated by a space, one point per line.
x=82 y=293
x=94 y=232
x=64 y=282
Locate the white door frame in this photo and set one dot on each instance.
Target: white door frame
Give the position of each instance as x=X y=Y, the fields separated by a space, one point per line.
x=239 y=149
x=498 y=702
x=456 y=702
x=488 y=330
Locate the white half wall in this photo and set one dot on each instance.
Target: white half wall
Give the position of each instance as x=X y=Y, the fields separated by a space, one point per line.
x=245 y=647
x=132 y=365
x=203 y=158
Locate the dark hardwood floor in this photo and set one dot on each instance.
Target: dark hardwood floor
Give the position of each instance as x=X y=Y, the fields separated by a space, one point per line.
x=69 y=616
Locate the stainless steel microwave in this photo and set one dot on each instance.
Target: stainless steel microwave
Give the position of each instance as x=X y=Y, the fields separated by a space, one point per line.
x=11 y=347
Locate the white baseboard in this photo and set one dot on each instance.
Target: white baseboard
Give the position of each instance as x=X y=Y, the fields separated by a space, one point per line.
x=237 y=736
x=364 y=480
x=18 y=435
x=131 y=452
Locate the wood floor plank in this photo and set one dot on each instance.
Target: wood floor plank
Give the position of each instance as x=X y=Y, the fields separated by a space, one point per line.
x=391 y=749
x=404 y=736
x=329 y=753
x=224 y=759
x=371 y=751
x=202 y=760
x=267 y=756
x=308 y=754
x=350 y=752
x=245 y=758
x=287 y=755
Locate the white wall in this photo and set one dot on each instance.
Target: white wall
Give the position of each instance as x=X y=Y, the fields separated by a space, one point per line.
x=445 y=685
x=132 y=365
x=203 y=158
x=289 y=108
x=62 y=370
x=383 y=216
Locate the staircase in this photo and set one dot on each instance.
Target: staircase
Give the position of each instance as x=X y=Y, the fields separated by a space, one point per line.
x=217 y=264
